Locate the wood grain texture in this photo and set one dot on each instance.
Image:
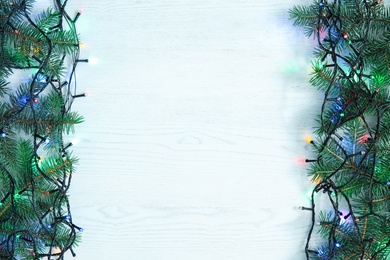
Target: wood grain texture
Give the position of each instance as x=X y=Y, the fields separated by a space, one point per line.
x=194 y=122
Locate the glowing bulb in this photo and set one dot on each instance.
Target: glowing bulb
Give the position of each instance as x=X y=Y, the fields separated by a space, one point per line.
x=338 y=107
x=92 y=60
x=337 y=244
x=345 y=36
x=75 y=141
x=300 y=160
x=41 y=78
x=77 y=16
x=308 y=139
x=3 y=134
x=78 y=228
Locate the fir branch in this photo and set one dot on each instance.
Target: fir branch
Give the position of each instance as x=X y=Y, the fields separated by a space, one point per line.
x=352 y=69
x=35 y=213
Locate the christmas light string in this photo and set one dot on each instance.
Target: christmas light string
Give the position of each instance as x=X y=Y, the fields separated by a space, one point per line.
x=352 y=144
x=35 y=214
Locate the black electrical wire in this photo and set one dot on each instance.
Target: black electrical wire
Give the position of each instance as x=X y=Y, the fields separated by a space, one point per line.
x=60 y=210
x=356 y=99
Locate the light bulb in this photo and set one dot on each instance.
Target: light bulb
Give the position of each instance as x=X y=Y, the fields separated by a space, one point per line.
x=347 y=216
x=92 y=60
x=75 y=141
x=78 y=228
x=77 y=16
x=41 y=78
x=308 y=139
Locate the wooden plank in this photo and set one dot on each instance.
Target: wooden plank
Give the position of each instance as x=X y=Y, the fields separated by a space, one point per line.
x=195 y=117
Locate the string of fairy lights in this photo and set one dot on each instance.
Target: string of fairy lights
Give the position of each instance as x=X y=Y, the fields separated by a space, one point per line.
x=30 y=226
x=348 y=98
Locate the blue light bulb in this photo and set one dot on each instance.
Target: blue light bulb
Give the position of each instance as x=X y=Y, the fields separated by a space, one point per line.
x=49 y=226
x=67 y=217
x=337 y=244
x=81 y=229
x=47 y=140
x=41 y=78
x=3 y=134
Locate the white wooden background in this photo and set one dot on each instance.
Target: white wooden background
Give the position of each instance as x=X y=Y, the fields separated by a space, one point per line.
x=195 y=120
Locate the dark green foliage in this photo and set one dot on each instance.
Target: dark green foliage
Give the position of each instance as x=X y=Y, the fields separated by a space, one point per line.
x=35 y=165
x=352 y=69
